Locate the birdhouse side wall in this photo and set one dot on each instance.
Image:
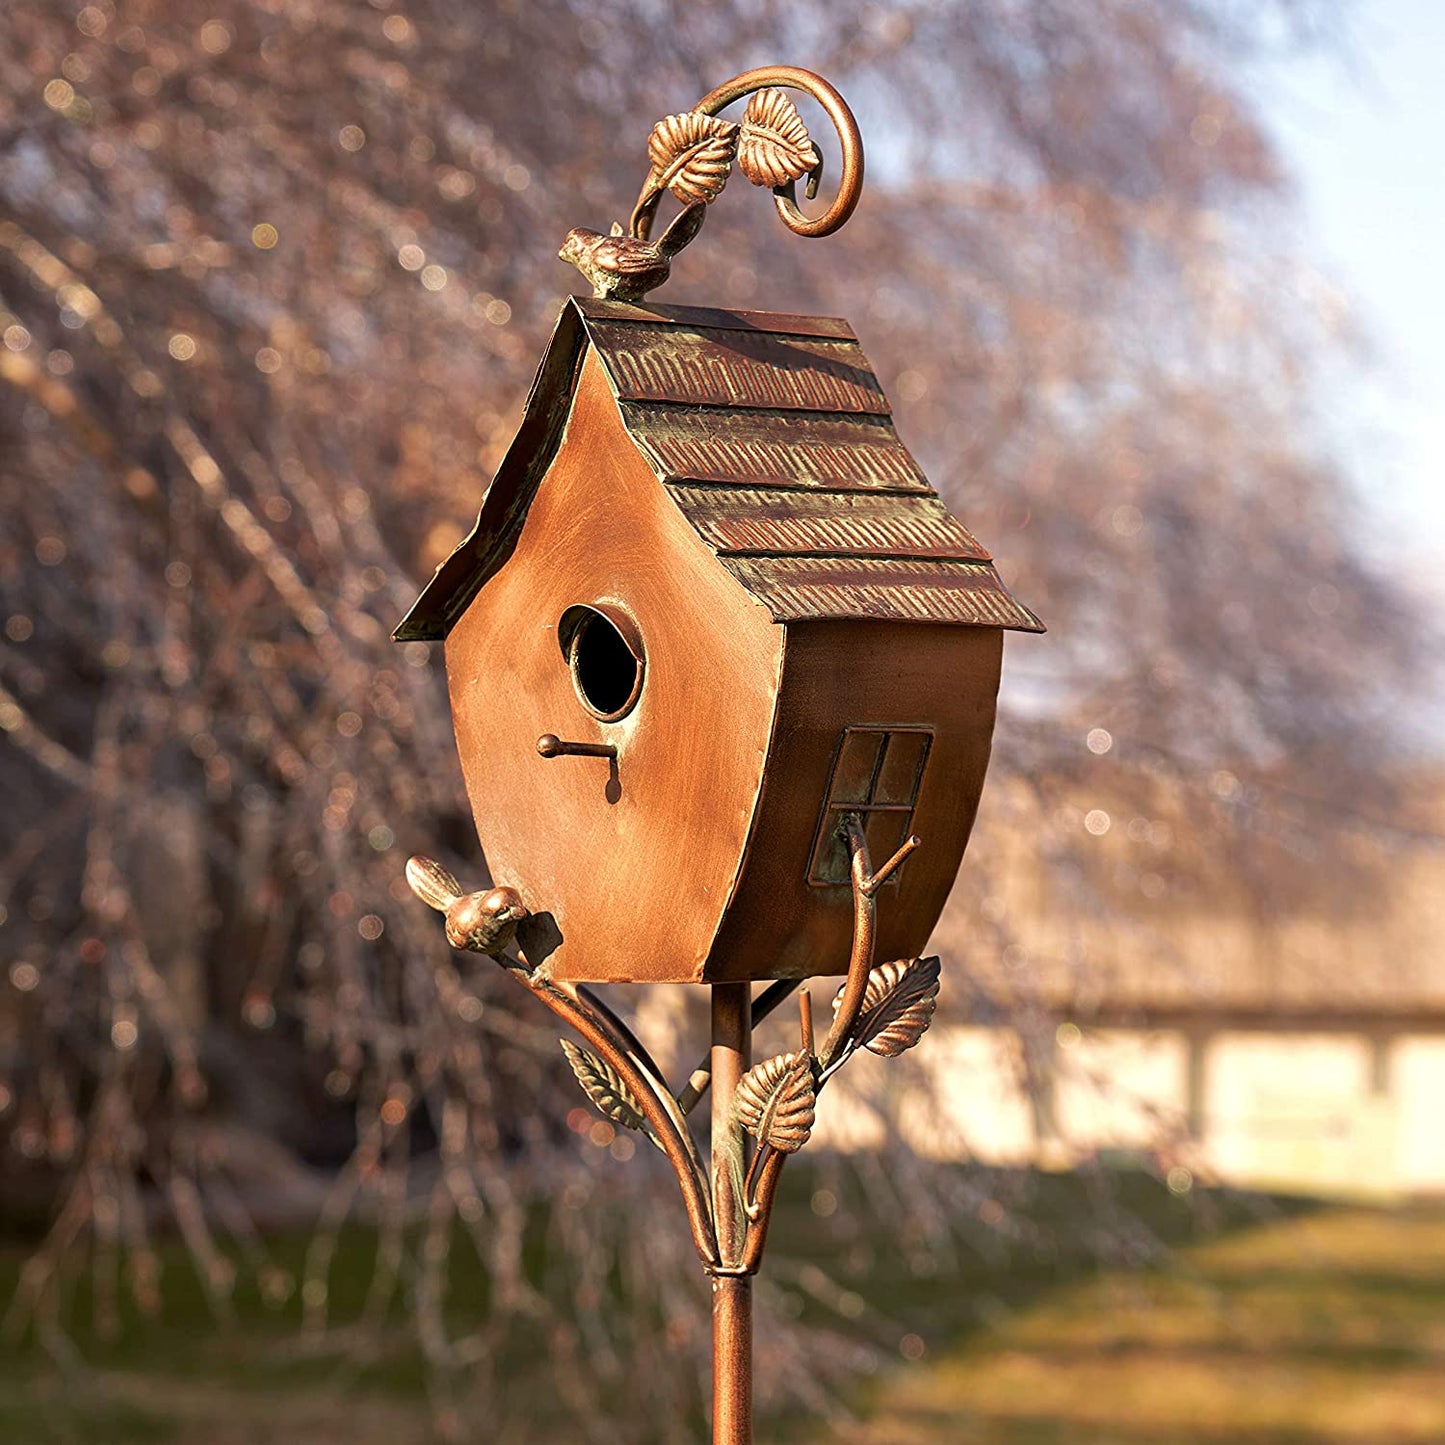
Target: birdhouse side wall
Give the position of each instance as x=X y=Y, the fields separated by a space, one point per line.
x=893 y=721
x=627 y=865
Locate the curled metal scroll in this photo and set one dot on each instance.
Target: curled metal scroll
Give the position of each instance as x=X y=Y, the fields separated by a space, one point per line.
x=850 y=184
x=692 y=154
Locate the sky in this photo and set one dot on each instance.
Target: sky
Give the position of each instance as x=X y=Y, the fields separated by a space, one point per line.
x=1363 y=131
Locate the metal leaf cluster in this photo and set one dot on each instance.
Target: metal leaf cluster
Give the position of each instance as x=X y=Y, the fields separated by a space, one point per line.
x=692 y=155
x=775 y=147
x=775 y=1101
x=601 y=1084
x=898 y=1006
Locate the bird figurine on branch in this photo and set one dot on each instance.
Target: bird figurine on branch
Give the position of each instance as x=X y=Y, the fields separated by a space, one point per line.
x=626 y=268
x=484 y=922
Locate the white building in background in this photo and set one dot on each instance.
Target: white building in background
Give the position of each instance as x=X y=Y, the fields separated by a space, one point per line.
x=1212 y=1028
x=1310 y=1113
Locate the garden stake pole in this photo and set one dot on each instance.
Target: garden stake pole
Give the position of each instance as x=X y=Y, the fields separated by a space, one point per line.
x=732 y=1288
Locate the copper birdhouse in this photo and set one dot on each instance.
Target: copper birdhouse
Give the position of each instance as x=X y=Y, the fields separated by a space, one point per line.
x=710 y=607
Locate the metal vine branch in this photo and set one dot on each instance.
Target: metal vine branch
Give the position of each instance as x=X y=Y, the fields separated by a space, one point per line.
x=692 y=154
x=883 y=1008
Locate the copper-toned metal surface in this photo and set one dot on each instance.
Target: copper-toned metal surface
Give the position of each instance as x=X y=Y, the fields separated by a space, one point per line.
x=774 y=147
x=865 y=881
x=894 y=999
x=700 y=1080
x=712 y=581
x=646 y=1089
x=549 y=745
x=766 y=522
x=700 y=367
x=483 y=922
x=715 y=318
x=665 y=824
x=691 y=155
x=850 y=183
x=729 y=1203
x=731 y=1055
x=901 y=589
x=720 y=749
x=878 y=675
x=877 y=776
x=775 y=450
x=732 y=1359
x=623 y=266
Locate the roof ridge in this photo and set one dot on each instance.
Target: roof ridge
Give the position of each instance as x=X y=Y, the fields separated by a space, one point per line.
x=771 y=323
x=793 y=413
x=922 y=493
x=801 y=553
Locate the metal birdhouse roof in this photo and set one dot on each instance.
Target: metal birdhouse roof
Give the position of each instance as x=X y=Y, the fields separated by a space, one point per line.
x=774 y=438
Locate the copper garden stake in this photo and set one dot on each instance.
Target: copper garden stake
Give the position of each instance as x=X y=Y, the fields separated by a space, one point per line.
x=718 y=657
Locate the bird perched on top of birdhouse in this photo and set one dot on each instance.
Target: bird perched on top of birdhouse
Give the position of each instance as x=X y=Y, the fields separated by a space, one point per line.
x=628 y=267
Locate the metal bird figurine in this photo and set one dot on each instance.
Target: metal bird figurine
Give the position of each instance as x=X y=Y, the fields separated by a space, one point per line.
x=625 y=267
x=478 y=922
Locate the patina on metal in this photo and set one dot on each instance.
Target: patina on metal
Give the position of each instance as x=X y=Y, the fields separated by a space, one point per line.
x=774 y=438
x=714 y=645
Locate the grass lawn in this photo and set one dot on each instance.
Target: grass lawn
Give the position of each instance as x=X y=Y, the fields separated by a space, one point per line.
x=1316 y=1330
x=1309 y=1328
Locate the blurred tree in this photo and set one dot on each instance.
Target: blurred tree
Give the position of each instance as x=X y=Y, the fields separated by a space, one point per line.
x=273 y=274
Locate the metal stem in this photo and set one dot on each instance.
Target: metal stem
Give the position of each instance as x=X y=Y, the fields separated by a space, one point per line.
x=730 y=1234
x=700 y=1080
x=850 y=184
x=865 y=917
x=732 y=1300
x=662 y=1114
x=732 y=1360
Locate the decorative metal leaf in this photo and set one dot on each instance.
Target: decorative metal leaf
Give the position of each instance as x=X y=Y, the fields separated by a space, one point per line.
x=601 y=1084
x=432 y=883
x=775 y=146
x=898 y=1005
x=774 y=1101
x=692 y=155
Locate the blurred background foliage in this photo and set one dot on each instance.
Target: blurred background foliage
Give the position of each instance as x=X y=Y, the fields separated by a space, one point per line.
x=273 y=278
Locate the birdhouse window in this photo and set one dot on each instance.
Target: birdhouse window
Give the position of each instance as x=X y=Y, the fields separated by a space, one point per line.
x=876 y=774
x=603 y=649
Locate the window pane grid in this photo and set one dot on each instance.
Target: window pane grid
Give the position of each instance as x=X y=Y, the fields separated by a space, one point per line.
x=877 y=773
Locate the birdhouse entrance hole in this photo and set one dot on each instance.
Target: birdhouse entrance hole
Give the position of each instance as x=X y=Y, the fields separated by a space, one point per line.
x=604 y=652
